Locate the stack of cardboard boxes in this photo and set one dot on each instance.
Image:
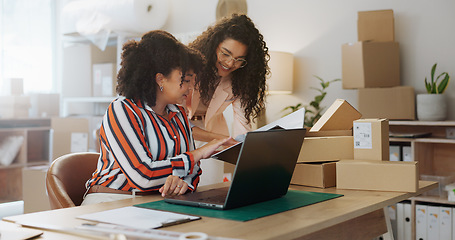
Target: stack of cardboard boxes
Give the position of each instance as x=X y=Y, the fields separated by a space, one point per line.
x=372 y=65
x=348 y=152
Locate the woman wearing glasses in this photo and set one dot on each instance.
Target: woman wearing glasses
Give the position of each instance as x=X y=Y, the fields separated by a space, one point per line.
x=235 y=74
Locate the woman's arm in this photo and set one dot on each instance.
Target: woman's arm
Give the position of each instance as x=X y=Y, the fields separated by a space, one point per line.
x=202 y=135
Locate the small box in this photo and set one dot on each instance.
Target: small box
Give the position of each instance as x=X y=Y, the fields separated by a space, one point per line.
x=371 y=139
x=104 y=80
x=69 y=135
x=34 y=189
x=14 y=106
x=13 y=86
x=45 y=105
x=376 y=26
x=339 y=116
x=322 y=149
x=322 y=174
x=370 y=65
x=396 y=103
x=377 y=175
x=407 y=154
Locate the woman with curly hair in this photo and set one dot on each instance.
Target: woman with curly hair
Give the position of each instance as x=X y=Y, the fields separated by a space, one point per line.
x=235 y=74
x=146 y=140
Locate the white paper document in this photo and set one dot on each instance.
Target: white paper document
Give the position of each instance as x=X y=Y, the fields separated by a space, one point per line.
x=140 y=218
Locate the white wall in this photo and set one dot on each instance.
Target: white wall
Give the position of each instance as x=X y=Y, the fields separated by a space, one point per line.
x=315 y=30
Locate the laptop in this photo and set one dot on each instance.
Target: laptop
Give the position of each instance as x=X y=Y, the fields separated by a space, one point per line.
x=264 y=169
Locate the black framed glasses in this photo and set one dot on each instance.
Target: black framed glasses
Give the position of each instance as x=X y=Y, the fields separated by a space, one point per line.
x=226 y=57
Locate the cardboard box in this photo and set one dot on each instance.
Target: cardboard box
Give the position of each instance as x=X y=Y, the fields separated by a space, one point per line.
x=396 y=103
x=370 y=64
x=322 y=149
x=34 y=189
x=69 y=135
x=14 y=106
x=339 y=116
x=377 y=175
x=371 y=139
x=322 y=175
x=104 y=80
x=45 y=105
x=376 y=26
x=13 y=86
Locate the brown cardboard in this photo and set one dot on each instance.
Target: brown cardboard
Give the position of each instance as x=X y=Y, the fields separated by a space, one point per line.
x=322 y=149
x=339 y=116
x=377 y=175
x=396 y=103
x=45 y=104
x=14 y=106
x=328 y=133
x=104 y=79
x=376 y=26
x=34 y=189
x=69 y=135
x=322 y=175
x=370 y=64
x=371 y=139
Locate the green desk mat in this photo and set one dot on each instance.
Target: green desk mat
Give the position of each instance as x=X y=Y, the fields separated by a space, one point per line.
x=293 y=199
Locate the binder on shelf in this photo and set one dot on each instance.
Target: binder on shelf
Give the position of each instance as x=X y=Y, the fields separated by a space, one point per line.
x=433 y=222
x=445 y=222
x=407 y=230
x=421 y=222
x=400 y=221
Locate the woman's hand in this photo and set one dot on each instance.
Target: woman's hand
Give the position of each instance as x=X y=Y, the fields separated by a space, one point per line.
x=208 y=149
x=173 y=186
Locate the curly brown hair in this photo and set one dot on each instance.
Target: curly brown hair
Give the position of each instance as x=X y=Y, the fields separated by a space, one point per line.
x=157 y=52
x=249 y=82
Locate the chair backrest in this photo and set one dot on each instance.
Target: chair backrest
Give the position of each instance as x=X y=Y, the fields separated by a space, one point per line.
x=66 y=178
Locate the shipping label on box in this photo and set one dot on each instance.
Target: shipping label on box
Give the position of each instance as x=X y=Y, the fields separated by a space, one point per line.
x=371 y=139
x=370 y=65
x=392 y=103
x=377 y=175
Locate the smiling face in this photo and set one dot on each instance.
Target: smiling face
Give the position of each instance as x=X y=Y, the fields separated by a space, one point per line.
x=175 y=91
x=231 y=55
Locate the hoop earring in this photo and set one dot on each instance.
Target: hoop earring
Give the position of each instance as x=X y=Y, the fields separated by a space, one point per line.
x=161 y=88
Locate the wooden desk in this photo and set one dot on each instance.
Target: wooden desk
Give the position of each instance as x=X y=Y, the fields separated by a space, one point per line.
x=356 y=215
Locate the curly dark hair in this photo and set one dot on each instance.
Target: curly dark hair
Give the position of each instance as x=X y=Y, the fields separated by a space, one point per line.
x=249 y=82
x=157 y=52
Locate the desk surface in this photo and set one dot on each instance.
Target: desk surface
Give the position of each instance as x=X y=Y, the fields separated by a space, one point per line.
x=287 y=225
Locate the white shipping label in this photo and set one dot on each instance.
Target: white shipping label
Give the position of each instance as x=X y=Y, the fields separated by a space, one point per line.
x=362 y=136
x=79 y=142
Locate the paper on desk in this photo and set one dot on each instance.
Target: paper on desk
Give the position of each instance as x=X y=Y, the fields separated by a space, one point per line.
x=136 y=217
x=290 y=121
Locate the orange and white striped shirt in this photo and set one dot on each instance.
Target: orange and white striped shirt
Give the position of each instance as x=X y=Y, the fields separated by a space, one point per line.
x=140 y=149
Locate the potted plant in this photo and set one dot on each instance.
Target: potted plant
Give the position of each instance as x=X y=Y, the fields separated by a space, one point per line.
x=432 y=106
x=313 y=111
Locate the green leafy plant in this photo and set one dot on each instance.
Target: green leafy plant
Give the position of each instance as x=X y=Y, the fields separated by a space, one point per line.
x=433 y=87
x=313 y=111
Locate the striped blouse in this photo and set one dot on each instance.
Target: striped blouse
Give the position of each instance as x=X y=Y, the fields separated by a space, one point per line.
x=140 y=149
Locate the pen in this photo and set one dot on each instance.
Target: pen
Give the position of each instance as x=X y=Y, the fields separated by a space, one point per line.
x=179 y=221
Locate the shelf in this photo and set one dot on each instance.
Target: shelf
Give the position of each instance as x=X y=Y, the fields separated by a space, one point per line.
x=433 y=199
x=422 y=123
x=424 y=140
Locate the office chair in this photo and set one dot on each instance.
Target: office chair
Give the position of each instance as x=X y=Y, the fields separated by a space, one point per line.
x=66 y=177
